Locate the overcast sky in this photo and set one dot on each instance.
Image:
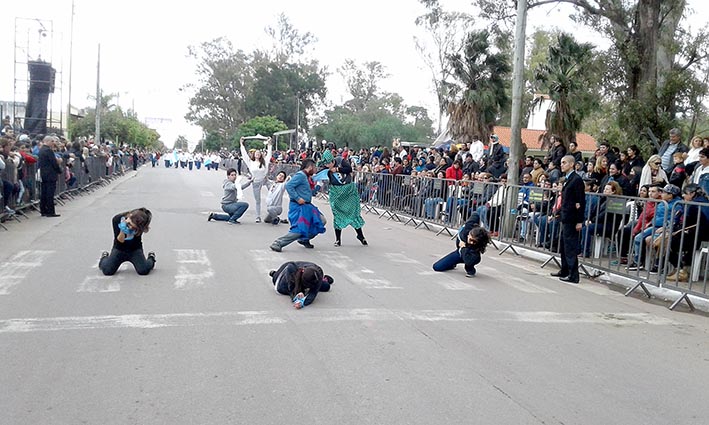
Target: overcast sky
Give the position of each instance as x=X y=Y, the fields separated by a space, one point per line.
x=144 y=45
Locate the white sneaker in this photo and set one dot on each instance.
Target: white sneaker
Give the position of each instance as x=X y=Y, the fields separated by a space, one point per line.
x=258 y=219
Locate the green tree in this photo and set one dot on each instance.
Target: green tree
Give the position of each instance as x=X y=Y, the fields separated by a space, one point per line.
x=382 y=120
x=289 y=45
x=225 y=77
x=181 y=143
x=570 y=79
x=652 y=51
x=362 y=82
x=264 y=126
x=478 y=93
x=278 y=89
x=213 y=142
x=444 y=36
x=116 y=126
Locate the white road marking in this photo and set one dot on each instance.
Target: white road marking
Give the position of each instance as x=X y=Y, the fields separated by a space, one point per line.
x=525 y=285
x=400 y=258
x=194 y=268
x=266 y=260
x=100 y=284
x=18 y=267
x=348 y=268
x=450 y=282
x=315 y=315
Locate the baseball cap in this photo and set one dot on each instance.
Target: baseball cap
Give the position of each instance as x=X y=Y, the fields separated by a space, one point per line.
x=671 y=189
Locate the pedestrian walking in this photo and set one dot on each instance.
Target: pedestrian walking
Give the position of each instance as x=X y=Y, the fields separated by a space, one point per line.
x=573 y=205
x=306 y=221
x=301 y=281
x=128 y=230
x=233 y=203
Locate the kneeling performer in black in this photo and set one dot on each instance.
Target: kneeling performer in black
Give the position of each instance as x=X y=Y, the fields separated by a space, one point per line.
x=128 y=229
x=301 y=281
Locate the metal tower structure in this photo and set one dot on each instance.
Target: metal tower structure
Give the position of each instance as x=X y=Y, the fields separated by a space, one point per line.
x=38 y=70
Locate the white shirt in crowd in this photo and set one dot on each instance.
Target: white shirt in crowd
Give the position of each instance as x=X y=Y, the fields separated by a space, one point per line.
x=477 y=149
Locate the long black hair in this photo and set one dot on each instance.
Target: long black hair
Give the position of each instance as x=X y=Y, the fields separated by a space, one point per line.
x=307 y=279
x=482 y=238
x=141 y=218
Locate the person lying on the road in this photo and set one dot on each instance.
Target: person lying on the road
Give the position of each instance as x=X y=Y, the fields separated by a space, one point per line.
x=471 y=242
x=128 y=229
x=301 y=281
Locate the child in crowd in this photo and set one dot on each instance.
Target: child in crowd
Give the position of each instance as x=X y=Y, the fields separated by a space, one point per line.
x=128 y=229
x=679 y=172
x=274 y=199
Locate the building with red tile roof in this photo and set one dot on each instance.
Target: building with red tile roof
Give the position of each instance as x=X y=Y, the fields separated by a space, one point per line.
x=533 y=139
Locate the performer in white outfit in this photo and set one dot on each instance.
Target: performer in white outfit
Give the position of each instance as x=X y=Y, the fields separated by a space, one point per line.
x=258 y=167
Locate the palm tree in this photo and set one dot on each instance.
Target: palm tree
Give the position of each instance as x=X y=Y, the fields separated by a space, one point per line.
x=478 y=94
x=568 y=77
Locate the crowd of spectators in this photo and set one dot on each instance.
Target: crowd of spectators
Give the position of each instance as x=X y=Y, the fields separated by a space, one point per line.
x=18 y=163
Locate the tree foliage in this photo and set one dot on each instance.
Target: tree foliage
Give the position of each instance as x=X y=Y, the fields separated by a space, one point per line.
x=264 y=126
x=277 y=90
x=654 y=64
x=478 y=93
x=235 y=86
x=225 y=78
x=288 y=44
x=181 y=143
x=382 y=119
x=116 y=125
x=362 y=82
x=570 y=79
x=444 y=36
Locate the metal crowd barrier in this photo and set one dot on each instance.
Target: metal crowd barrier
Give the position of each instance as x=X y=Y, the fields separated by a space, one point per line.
x=526 y=217
x=88 y=176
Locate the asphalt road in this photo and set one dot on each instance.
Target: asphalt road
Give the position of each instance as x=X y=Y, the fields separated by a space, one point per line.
x=204 y=339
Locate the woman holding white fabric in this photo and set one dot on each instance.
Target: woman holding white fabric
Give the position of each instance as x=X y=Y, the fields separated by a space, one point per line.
x=258 y=167
x=652 y=172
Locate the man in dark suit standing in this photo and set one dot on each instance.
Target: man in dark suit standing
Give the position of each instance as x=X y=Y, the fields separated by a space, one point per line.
x=49 y=171
x=573 y=205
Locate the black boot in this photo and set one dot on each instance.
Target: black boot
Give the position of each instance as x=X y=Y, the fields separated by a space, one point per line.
x=338 y=237
x=360 y=236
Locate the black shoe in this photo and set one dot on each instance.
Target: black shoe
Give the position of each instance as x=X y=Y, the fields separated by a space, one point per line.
x=306 y=244
x=568 y=279
x=276 y=221
x=634 y=267
x=271 y=273
x=284 y=221
x=559 y=274
x=151 y=254
x=52 y=215
x=654 y=270
x=363 y=240
x=275 y=247
x=210 y=217
x=338 y=243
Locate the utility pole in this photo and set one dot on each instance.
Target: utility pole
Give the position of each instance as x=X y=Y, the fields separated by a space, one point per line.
x=71 y=49
x=517 y=90
x=97 y=137
x=297 y=123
